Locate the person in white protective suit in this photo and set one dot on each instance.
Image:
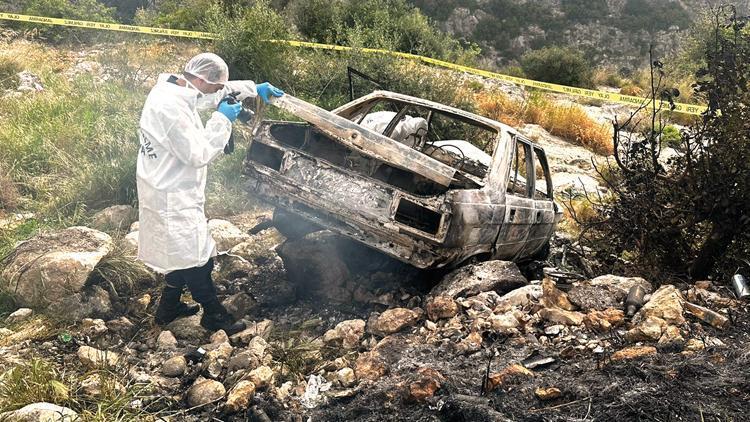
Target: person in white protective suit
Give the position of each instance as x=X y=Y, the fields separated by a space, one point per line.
x=175 y=149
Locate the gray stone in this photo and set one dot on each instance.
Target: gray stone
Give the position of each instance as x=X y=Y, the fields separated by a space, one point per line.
x=93 y=327
x=120 y=325
x=226 y=234
x=188 y=328
x=239 y=304
x=20 y=315
x=346 y=334
x=53 y=265
x=394 y=320
x=40 y=412
x=500 y=276
x=166 y=341
x=205 y=391
x=174 y=366
x=117 y=217
x=95 y=358
x=93 y=301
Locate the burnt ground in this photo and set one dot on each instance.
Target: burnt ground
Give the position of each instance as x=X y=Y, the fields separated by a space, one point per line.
x=710 y=385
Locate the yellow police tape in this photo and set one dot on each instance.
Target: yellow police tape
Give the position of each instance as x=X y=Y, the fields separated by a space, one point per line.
x=694 y=109
x=107 y=26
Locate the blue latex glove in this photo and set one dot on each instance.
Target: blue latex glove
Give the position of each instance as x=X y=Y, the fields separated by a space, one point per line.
x=265 y=90
x=230 y=110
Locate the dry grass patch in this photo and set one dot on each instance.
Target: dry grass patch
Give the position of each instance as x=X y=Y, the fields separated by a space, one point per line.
x=568 y=122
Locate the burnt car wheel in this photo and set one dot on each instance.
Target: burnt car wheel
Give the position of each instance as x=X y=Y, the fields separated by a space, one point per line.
x=291 y=225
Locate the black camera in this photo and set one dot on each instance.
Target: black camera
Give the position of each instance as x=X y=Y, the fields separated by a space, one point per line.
x=244 y=117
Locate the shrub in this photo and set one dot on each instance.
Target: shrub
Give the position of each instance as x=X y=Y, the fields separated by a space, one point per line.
x=189 y=14
x=671 y=137
x=559 y=65
x=631 y=89
x=90 y=10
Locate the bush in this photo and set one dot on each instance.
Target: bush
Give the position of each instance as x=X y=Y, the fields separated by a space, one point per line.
x=9 y=69
x=558 y=65
x=190 y=14
x=90 y=10
x=671 y=137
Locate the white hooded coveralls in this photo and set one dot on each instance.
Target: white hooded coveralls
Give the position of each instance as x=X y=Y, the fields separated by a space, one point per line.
x=171 y=174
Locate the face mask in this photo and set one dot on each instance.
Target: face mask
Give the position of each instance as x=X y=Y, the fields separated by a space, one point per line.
x=205 y=101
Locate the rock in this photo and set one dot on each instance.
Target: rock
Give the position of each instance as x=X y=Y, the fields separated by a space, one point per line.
x=427 y=383
x=631 y=353
x=40 y=412
x=315 y=265
x=240 y=396
x=548 y=393
x=217 y=358
x=218 y=338
x=261 y=376
x=52 y=266
x=134 y=227
x=500 y=276
x=370 y=366
x=29 y=82
x=258 y=347
x=4 y=332
x=508 y=374
x=561 y=316
x=117 y=217
x=130 y=242
x=205 y=391
x=226 y=235
x=95 y=387
x=95 y=358
x=472 y=343
x=607 y=291
x=552 y=297
x=243 y=360
x=346 y=377
x=254 y=329
x=671 y=339
x=553 y=330
x=93 y=327
x=120 y=325
x=666 y=303
x=347 y=334
x=174 y=366
x=694 y=345
x=282 y=393
x=141 y=304
x=166 y=341
x=93 y=301
x=20 y=315
x=523 y=296
x=239 y=304
x=440 y=307
x=650 y=329
x=505 y=323
x=188 y=328
x=394 y=320
x=604 y=321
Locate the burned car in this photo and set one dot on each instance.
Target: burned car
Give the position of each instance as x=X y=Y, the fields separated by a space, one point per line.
x=428 y=184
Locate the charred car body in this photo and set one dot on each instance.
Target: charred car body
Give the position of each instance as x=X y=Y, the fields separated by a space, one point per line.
x=407 y=177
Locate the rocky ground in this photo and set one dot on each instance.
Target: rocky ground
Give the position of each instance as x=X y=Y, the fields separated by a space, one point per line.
x=352 y=336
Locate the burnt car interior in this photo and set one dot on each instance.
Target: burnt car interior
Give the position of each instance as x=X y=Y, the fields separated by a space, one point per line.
x=448 y=138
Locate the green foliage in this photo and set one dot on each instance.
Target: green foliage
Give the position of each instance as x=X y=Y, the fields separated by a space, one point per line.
x=585 y=10
x=90 y=10
x=558 y=65
x=388 y=24
x=32 y=382
x=671 y=137
x=189 y=14
x=653 y=15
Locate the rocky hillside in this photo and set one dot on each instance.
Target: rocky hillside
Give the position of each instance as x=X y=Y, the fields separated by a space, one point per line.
x=615 y=33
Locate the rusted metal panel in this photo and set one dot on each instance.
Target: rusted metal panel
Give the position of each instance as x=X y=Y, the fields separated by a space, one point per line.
x=367 y=141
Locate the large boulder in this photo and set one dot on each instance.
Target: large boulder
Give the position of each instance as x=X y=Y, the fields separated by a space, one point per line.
x=117 y=217
x=500 y=276
x=226 y=234
x=40 y=412
x=53 y=266
x=604 y=292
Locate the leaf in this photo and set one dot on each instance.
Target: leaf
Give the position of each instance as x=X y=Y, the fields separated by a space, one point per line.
x=60 y=390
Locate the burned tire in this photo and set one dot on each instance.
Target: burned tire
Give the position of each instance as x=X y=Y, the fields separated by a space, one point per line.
x=291 y=225
x=543 y=253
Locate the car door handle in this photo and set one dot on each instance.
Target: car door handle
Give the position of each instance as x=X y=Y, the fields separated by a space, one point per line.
x=538 y=216
x=512 y=215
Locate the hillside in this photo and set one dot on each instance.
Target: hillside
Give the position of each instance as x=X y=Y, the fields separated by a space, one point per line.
x=613 y=33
